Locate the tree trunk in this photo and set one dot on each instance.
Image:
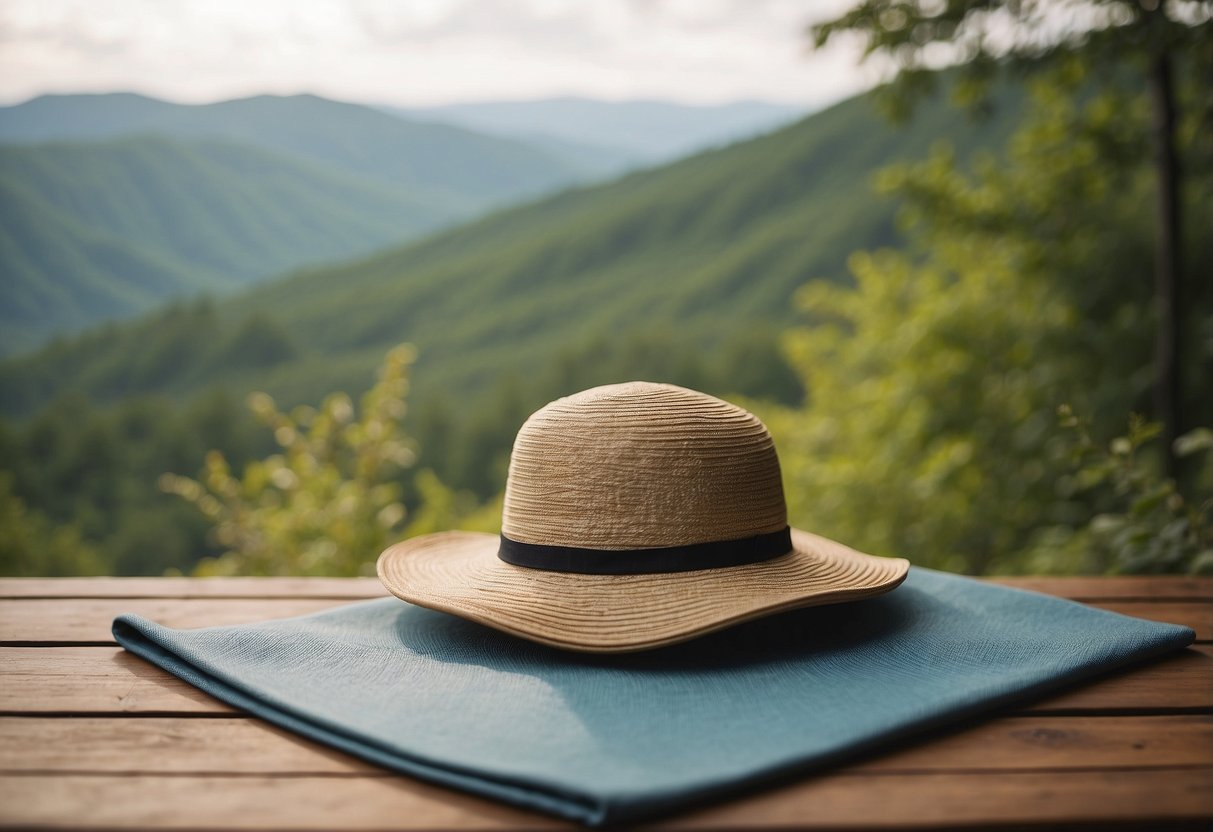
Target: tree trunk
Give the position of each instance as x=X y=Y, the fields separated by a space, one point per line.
x=1168 y=278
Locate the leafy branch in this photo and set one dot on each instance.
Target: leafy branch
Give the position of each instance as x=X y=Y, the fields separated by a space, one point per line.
x=1150 y=526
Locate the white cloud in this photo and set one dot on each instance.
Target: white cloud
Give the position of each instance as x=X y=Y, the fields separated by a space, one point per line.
x=425 y=51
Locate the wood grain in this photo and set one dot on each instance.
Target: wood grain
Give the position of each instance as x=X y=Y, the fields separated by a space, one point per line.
x=160 y=745
x=191 y=588
x=1078 y=587
x=1031 y=743
x=87 y=620
x=1105 y=587
x=1147 y=797
x=1195 y=614
x=238 y=745
x=108 y=680
x=93 y=736
x=1182 y=681
x=967 y=799
x=213 y=802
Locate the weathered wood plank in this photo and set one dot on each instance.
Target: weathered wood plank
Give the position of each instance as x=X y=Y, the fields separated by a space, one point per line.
x=235 y=745
x=87 y=620
x=235 y=803
x=965 y=799
x=191 y=588
x=843 y=800
x=1102 y=769
x=1182 y=681
x=108 y=680
x=160 y=745
x=1195 y=614
x=1103 y=587
x=1027 y=743
x=94 y=680
x=1077 y=587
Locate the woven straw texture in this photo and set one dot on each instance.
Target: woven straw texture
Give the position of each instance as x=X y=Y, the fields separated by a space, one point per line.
x=638 y=466
x=625 y=467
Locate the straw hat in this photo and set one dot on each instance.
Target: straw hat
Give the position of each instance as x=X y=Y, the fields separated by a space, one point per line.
x=636 y=515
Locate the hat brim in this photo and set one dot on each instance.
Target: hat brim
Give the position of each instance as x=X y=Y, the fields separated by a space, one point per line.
x=460 y=573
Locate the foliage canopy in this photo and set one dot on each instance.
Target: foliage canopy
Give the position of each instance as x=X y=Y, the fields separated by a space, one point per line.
x=328 y=501
x=929 y=429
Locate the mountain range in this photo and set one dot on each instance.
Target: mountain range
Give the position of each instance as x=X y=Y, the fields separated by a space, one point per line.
x=115 y=203
x=98 y=231
x=625 y=133
x=583 y=287
x=431 y=160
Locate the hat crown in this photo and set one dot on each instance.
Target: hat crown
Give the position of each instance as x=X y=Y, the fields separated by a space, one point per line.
x=642 y=466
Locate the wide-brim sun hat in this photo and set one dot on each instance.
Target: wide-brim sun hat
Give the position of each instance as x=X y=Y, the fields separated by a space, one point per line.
x=636 y=516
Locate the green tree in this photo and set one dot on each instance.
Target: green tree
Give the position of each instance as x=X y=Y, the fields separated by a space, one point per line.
x=328 y=502
x=1155 y=38
x=441 y=508
x=1144 y=522
x=927 y=430
x=33 y=546
x=929 y=427
x=94 y=469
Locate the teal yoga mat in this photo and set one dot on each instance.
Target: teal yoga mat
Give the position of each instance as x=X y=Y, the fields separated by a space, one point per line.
x=602 y=739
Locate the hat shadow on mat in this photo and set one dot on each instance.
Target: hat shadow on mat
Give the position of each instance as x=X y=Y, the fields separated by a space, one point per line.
x=775 y=639
x=641 y=724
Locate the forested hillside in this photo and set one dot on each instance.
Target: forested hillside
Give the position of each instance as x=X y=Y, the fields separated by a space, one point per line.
x=61 y=276
x=118 y=202
x=645 y=273
x=98 y=231
x=432 y=160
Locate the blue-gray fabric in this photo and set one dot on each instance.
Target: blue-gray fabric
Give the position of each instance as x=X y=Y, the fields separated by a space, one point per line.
x=609 y=738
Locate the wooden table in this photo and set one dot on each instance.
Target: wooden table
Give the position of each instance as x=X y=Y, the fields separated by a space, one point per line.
x=92 y=736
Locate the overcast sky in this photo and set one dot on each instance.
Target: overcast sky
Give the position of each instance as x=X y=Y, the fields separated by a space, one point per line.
x=426 y=51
